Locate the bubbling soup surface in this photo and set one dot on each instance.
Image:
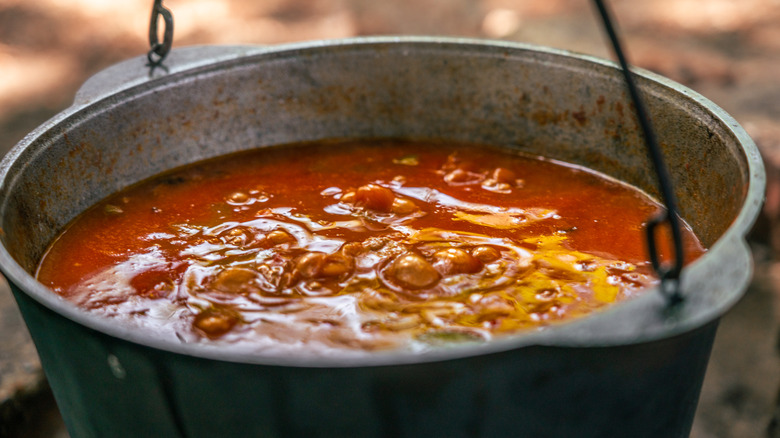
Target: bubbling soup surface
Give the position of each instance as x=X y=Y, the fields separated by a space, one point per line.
x=357 y=246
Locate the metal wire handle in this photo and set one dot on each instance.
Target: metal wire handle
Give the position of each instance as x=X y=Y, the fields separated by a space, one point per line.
x=668 y=273
x=158 y=51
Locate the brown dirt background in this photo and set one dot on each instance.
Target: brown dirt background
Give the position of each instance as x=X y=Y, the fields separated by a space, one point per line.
x=728 y=50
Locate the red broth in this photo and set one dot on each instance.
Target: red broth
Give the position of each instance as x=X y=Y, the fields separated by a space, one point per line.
x=358 y=245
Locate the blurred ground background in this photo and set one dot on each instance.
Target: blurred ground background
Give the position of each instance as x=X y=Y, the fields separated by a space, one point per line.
x=728 y=50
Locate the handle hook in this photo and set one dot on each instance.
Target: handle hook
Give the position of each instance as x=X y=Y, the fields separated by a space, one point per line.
x=158 y=51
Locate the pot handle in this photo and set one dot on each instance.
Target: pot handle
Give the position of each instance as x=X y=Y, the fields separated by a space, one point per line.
x=135 y=71
x=668 y=273
x=159 y=50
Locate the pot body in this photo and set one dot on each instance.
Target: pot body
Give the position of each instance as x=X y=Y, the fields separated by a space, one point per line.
x=108 y=387
x=632 y=370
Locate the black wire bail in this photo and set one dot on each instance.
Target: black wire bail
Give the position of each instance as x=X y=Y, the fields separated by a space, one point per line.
x=158 y=51
x=668 y=273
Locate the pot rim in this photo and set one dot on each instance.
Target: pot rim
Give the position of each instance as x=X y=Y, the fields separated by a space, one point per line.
x=102 y=90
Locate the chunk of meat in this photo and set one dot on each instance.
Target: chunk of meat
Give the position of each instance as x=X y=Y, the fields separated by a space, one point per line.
x=462 y=177
x=403 y=206
x=413 y=271
x=335 y=265
x=215 y=322
x=375 y=197
x=455 y=261
x=310 y=264
x=235 y=281
x=503 y=175
x=321 y=265
x=486 y=254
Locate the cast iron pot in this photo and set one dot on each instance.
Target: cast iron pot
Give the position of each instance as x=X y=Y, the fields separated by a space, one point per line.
x=634 y=369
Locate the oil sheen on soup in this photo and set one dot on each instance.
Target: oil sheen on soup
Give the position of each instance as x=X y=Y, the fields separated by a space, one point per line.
x=357 y=246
